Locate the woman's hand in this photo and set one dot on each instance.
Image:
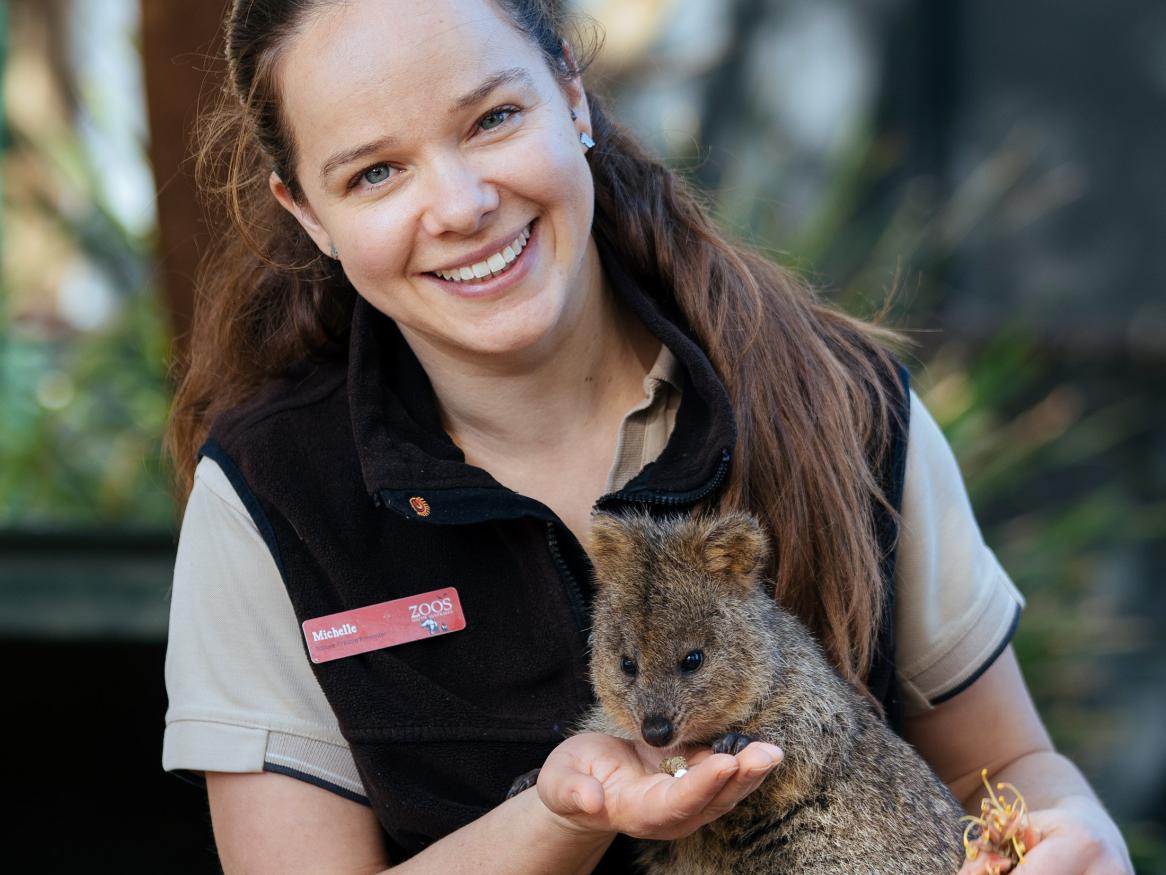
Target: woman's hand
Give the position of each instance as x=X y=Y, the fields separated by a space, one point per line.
x=1077 y=837
x=1074 y=839
x=597 y=783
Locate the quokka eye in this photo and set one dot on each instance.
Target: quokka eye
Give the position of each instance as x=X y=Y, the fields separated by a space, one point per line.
x=628 y=666
x=692 y=661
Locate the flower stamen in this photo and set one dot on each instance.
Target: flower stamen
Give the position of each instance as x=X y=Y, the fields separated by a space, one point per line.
x=1001 y=827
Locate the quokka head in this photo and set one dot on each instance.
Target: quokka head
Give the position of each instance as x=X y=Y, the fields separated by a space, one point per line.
x=680 y=647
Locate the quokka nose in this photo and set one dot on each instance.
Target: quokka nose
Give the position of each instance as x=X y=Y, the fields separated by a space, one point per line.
x=657 y=730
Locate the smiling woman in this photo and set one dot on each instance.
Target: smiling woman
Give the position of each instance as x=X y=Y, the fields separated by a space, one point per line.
x=439 y=331
x=490 y=156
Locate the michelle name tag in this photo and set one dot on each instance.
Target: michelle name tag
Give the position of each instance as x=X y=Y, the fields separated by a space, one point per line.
x=387 y=624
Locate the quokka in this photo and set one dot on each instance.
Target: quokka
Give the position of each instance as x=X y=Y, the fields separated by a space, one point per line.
x=688 y=648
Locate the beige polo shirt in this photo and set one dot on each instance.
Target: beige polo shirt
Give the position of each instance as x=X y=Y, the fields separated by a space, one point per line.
x=246 y=702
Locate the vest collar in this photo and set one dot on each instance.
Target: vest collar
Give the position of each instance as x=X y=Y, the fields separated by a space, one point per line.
x=411 y=465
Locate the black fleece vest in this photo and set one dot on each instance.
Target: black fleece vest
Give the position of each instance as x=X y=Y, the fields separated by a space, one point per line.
x=326 y=460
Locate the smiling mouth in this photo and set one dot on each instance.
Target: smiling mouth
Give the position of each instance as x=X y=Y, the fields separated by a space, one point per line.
x=495 y=265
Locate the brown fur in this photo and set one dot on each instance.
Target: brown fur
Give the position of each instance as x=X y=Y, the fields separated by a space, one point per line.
x=850 y=796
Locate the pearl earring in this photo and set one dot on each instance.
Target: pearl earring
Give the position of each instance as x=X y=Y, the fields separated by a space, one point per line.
x=335 y=255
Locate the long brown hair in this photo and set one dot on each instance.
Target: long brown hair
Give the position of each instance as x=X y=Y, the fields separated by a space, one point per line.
x=814 y=389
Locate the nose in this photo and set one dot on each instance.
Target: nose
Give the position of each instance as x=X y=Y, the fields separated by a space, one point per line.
x=657 y=730
x=458 y=197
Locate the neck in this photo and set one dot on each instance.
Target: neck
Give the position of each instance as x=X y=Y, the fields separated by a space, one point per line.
x=530 y=403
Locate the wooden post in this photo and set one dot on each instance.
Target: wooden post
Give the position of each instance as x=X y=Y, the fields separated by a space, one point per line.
x=182 y=57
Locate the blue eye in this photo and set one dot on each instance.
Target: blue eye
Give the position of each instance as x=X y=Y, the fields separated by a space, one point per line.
x=376 y=175
x=494 y=118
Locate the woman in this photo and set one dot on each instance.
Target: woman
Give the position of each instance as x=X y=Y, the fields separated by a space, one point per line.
x=439 y=317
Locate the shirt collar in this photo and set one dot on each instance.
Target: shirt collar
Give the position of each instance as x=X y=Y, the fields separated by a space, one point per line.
x=666 y=369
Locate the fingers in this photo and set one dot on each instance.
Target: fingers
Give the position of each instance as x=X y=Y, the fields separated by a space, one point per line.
x=1055 y=857
x=690 y=795
x=718 y=782
x=986 y=864
x=754 y=764
x=604 y=783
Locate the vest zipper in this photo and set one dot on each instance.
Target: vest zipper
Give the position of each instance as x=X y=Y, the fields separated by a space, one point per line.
x=672 y=498
x=574 y=594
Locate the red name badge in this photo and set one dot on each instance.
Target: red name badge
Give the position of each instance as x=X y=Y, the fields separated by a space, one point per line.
x=387 y=624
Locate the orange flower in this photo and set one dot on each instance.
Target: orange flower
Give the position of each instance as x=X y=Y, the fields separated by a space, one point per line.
x=1001 y=829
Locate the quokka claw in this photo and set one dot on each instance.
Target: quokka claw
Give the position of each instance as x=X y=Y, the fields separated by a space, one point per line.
x=731 y=743
x=523 y=782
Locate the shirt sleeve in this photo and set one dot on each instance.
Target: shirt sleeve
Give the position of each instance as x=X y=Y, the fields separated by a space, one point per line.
x=242 y=695
x=956 y=609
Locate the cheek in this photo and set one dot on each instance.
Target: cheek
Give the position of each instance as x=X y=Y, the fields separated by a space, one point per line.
x=616 y=696
x=573 y=175
x=373 y=244
x=555 y=174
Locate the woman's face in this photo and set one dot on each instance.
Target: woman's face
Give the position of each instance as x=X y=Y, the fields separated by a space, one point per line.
x=434 y=143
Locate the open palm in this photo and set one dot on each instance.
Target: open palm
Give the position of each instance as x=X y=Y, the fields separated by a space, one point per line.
x=601 y=783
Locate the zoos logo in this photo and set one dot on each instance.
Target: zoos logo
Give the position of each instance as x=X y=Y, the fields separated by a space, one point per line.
x=436 y=608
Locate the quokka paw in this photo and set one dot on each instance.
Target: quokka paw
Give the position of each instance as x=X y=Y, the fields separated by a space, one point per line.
x=523 y=782
x=731 y=743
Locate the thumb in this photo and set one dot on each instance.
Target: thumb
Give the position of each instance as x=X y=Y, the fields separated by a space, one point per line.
x=572 y=793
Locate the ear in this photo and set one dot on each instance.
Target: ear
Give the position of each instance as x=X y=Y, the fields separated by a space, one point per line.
x=302 y=213
x=610 y=544
x=735 y=546
x=575 y=94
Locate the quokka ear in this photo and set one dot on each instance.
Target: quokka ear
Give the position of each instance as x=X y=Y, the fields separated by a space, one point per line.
x=735 y=546
x=611 y=544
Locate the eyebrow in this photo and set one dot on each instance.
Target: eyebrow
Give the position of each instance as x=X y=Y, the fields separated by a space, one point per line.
x=502 y=77
x=350 y=155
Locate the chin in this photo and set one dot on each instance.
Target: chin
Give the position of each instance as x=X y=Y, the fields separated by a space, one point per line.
x=544 y=329
x=518 y=345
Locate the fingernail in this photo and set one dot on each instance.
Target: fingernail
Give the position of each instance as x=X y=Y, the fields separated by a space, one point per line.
x=775 y=753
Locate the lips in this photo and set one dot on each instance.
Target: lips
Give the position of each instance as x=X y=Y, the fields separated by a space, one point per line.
x=490 y=265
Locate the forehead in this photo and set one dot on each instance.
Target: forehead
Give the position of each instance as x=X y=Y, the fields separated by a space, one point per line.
x=363 y=68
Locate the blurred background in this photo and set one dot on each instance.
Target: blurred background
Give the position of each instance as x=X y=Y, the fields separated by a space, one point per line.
x=1000 y=165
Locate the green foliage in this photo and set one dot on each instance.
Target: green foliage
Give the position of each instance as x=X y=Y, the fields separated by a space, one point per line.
x=83 y=409
x=83 y=419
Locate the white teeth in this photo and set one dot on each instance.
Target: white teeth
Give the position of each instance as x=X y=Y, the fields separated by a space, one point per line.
x=492 y=266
